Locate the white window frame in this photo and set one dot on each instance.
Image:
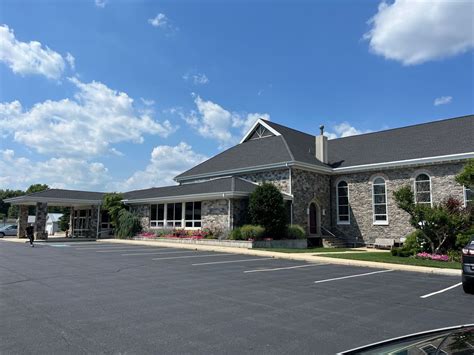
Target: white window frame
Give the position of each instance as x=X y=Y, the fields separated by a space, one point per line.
x=193 y=221
x=348 y=204
x=375 y=221
x=416 y=192
x=166 y=223
x=465 y=196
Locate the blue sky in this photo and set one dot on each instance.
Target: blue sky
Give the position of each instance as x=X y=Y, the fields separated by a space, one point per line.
x=118 y=95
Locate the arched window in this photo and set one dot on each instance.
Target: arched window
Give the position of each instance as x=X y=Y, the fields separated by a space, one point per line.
x=379 y=199
x=342 y=195
x=423 y=189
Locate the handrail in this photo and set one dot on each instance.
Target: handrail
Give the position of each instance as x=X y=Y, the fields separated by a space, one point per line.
x=329 y=232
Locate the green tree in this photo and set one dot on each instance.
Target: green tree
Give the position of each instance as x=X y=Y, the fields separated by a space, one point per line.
x=466 y=177
x=37 y=188
x=64 y=220
x=4 y=194
x=128 y=224
x=267 y=209
x=439 y=224
x=112 y=203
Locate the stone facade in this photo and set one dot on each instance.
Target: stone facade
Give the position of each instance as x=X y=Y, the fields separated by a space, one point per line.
x=40 y=221
x=215 y=214
x=144 y=212
x=361 y=224
x=22 y=221
x=280 y=178
x=310 y=187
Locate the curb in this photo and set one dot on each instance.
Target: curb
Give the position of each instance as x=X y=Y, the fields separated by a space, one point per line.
x=296 y=256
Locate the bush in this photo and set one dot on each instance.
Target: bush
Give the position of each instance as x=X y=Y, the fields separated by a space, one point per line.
x=252 y=232
x=454 y=255
x=295 y=231
x=414 y=242
x=128 y=225
x=401 y=252
x=463 y=238
x=267 y=209
x=236 y=234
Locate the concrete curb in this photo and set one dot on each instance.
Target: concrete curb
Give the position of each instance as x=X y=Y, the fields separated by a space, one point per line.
x=295 y=256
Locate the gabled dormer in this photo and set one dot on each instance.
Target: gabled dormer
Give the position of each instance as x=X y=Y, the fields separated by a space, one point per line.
x=260 y=129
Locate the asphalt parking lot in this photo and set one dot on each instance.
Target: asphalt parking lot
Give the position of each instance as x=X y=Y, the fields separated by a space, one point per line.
x=83 y=297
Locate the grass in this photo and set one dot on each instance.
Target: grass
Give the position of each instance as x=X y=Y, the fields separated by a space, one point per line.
x=309 y=250
x=388 y=258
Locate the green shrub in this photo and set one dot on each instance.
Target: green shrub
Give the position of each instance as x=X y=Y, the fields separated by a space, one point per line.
x=401 y=252
x=267 y=209
x=128 y=225
x=236 y=234
x=463 y=238
x=414 y=242
x=250 y=231
x=295 y=231
x=454 y=255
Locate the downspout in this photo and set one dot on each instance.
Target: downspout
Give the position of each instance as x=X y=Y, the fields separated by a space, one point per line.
x=291 y=192
x=228 y=211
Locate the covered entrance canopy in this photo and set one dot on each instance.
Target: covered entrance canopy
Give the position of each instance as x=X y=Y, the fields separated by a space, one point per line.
x=85 y=219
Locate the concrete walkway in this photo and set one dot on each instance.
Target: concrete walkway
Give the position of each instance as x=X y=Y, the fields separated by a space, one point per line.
x=292 y=256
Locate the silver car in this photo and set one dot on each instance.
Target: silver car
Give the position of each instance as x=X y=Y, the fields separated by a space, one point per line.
x=9 y=230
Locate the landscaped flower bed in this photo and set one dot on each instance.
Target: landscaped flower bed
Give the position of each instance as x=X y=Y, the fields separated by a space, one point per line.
x=428 y=256
x=177 y=233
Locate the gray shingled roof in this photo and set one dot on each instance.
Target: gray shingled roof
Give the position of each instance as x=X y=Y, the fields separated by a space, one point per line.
x=430 y=139
x=445 y=137
x=256 y=152
x=227 y=185
x=60 y=194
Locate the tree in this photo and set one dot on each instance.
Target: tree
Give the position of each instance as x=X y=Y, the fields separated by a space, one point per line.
x=4 y=194
x=64 y=220
x=267 y=209
x=466 y=177
x=439 y=224
x=36 y=188
x=112 y=203
x=128 y=224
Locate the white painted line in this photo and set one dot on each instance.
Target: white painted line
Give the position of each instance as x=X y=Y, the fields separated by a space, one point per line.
x=441 y=291
x=160 y=252
x=231 y=261
x=284 y=268
x=123 y=250
x=102 y=248
x=192 y=256
x=350 y=276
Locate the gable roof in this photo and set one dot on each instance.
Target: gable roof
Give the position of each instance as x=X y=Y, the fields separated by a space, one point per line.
x=292 y=147
x=432 y=139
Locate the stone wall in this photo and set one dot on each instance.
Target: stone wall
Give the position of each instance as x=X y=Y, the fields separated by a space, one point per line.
x=280 y=178
x=40 y=220
x=361 y=224
x=22 y=221
x=214 y=214
x=144 y=212
x=310 y=187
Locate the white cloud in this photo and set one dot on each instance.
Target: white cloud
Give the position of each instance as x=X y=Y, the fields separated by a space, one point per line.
x=21 y=172
x=86 y=125
x=71 y=61
x=165 y=163
x=344 y=129
x=159 y=20
x=213 y=121
x=414 y=32
x=443 y=100
x=29 y=58
x=101 y=3
x=197 y=79
x=147 y=102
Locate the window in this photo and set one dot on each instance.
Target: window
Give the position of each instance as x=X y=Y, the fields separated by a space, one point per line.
x=105 y=220
x=379 y=196
x=157 y=215
x=423 y=189
x=261 y=132
x=468 y=196
x=174 y=214
x=193 y=214
x=342 y=196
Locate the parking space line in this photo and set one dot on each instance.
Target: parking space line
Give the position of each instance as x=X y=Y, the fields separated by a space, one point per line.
x=193 y=256
x=441 y=291
x=231 y=261
x=160 y=252
x=351 y=276
x=283 y=268
x=123 y=250
x=108 y=247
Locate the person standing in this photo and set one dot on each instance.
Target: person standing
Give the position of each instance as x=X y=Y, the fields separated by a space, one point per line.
x=30 y=233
